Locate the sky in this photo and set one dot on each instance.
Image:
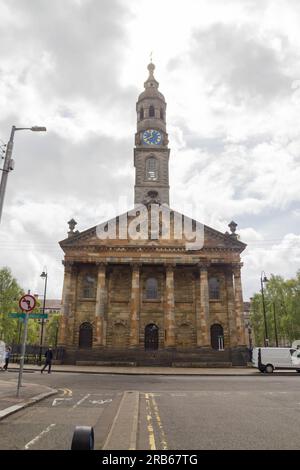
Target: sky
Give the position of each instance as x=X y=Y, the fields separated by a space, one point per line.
x=230 y=73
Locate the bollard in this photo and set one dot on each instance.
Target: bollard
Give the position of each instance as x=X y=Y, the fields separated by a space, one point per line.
x=83 y=438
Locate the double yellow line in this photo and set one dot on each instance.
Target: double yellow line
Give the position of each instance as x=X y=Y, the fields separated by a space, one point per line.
x=154 y=420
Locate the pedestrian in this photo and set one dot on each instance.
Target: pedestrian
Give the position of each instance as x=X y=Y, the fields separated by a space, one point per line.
x=6 y=357
x=48 y=362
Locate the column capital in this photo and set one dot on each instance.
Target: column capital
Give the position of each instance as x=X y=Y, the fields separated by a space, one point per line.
x=203 y=265
x=69 y=266
x=101 y=265
x=170 y=267
x=236 y=269
x=135 y=266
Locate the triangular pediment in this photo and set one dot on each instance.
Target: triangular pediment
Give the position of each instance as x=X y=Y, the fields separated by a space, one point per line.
x=143 y=228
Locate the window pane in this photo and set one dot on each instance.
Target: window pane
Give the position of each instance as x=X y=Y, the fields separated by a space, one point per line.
x=214 y=288
x=151 y=169
x=89 y=287
x=151 y=288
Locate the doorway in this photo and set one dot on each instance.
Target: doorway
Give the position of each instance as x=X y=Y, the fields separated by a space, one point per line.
x=151 y=337
x=217 y=337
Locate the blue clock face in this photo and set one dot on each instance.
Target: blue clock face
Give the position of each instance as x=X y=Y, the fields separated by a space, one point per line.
x=152 y=137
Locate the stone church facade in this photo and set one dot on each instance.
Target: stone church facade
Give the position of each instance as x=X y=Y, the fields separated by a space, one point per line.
x=140 y=288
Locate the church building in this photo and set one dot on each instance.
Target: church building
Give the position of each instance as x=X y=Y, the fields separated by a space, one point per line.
x=152 y=286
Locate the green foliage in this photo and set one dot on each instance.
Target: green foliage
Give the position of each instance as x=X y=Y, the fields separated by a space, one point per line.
x=11 y=328
x=283 y=296
x=10 y=292
x=52 y=326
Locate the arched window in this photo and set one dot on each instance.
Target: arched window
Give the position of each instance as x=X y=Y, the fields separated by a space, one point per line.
x=151 y=169
x=89 y=287
x=214 y=288
x=151 y=288
x=151 y=111
x=162 y=116
x=141 y=114
x=85 y=335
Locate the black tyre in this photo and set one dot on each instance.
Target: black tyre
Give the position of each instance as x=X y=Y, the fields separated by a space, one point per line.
x=298 y=370
x=262 y=370
x=269 y=369
x=83 y=438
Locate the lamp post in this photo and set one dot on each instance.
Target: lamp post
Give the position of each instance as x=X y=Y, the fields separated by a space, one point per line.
x=44 y=276
x=9 y=162
x=275 y=324
x=250 y=337
x=264 y=279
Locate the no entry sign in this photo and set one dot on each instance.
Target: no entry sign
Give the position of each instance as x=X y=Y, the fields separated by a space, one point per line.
x=27 y=303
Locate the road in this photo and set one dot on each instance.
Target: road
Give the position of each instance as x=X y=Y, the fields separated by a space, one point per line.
x=160 y=412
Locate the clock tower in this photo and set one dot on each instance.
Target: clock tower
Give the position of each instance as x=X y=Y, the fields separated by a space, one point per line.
x=151 y=152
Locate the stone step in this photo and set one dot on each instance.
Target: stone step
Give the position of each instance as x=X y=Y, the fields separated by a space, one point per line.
x=202 y=364
x=106 y=363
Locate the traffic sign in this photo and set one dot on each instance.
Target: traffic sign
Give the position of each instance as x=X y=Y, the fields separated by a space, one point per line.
x=38 y=315
x=27 y=303
x=30 y=315
x=16 y=315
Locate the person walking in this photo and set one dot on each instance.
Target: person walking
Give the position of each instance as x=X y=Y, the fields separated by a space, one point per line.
x=6 y=357
x=48 y=362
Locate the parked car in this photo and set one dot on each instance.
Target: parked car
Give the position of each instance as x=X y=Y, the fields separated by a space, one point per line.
x=269 y=359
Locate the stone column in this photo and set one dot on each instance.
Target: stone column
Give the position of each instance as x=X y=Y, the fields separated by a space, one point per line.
x=63 y=336
x=170 y=308
x=231 y=308
x=204 y=308
x=239 y=306
x=100 y=304
x=135 y=306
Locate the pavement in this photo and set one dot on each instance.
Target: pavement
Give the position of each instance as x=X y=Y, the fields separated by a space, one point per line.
x=30 y=394
x=132 y=370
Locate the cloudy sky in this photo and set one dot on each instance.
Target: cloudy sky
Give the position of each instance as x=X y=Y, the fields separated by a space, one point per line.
x=230 y=72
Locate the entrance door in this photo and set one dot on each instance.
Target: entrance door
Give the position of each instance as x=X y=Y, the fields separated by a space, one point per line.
x=151 y=337
x=85 y=335
x=217 y=337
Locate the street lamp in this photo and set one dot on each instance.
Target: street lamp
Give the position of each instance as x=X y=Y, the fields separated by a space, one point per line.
x=44 y=276
x=275 y=324
x=264 y=279
x=9 y=162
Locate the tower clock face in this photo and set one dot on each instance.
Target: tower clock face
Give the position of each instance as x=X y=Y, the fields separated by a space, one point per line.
x=152 y=137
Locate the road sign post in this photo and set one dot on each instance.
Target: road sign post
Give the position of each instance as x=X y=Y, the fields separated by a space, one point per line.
x=27 y=303
x=22 y=355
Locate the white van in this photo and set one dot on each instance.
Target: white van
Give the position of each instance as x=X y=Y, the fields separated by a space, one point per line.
x=268 y=359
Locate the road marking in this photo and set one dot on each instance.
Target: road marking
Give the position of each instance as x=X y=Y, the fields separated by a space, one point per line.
x=178 y=395
x=66 y=391
x=58 y=401
x=163 y=438
x=39 y=436
x=150 y=423
x=100 y=402
x=81 y=401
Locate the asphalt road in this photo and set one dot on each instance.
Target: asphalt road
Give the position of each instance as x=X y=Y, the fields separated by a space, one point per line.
x=160 y=412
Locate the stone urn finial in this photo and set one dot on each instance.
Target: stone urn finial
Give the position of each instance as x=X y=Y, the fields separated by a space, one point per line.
x=233 y=226
x=72 y=223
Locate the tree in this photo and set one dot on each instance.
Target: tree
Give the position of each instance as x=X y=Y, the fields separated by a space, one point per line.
x=283 y=296
x=10 y=292
x=52 y=326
